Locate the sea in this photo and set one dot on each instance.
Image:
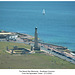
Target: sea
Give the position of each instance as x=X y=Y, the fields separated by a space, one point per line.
x=56 y=27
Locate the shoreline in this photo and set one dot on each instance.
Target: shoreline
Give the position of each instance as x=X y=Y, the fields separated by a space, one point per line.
x=27 y=36
x=59 y=51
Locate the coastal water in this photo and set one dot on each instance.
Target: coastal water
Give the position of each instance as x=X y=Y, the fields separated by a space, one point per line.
x=57 y=26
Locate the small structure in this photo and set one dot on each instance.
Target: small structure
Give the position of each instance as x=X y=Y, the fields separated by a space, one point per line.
x=12 y=51
x=11 y=37
x=36 y=47
x=15 y=48
x=7 y=48
x=73 y=54
x=23 y=52
x=61 y=48
x=4 y=35
x=31 y=48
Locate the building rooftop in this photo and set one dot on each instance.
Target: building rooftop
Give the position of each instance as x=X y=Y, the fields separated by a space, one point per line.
x=5 y=33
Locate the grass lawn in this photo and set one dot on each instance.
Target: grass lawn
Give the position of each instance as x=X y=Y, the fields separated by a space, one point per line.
x=30 y=61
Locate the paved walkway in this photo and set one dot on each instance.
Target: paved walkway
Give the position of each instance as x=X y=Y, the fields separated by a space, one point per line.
x=58 y=55
x=53 y=53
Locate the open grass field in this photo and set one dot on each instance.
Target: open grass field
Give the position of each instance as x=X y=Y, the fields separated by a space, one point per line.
x=30 y=61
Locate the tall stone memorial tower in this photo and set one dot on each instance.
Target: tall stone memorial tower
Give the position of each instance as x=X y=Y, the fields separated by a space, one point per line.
x=36 y=47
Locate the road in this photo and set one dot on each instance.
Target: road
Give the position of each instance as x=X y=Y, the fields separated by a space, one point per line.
x=53 y=53
x=58 y=55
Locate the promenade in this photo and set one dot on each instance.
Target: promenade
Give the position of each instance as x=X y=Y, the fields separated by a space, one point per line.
x=63 y=55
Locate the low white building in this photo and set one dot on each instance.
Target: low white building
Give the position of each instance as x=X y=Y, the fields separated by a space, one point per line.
x=12 y=37
x=73 y=54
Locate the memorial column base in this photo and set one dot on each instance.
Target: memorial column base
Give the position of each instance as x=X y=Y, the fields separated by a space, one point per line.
x=37 y=48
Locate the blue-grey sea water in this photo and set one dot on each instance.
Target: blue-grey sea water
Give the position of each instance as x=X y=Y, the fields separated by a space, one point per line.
x=57 y=26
